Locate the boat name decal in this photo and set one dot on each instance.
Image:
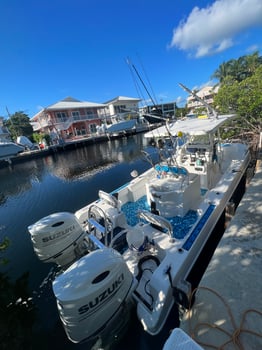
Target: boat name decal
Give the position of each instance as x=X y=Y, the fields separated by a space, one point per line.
x=102 y=297
x=58 y=234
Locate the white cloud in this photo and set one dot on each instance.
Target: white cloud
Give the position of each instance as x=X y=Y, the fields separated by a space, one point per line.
x=180 y=101
x=207 y=83
x=212 y=29
x=253 y=48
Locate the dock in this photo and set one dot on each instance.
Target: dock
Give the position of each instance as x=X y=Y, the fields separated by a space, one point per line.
x=227 y=311
x=71 y=144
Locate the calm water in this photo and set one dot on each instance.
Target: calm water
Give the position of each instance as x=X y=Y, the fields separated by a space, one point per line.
x=29 y=191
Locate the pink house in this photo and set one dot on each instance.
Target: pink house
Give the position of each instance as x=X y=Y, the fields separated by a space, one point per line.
x=70 y=119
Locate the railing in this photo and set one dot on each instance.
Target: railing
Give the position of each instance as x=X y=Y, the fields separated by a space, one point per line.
x=65 y=124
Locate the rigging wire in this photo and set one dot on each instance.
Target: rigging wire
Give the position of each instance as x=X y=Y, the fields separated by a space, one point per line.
x=142 y=82
x=137 y=86
x=149 y=83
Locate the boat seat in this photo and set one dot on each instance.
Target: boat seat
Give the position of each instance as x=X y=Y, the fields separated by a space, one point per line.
x=136 y=189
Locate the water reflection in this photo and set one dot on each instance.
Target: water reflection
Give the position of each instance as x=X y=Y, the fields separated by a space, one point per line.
x=78 y=163
x=16 y=180
x=29 y=191
x=69 y=165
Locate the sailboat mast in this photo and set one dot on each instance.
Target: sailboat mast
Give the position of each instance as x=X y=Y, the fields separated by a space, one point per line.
x=141 y=80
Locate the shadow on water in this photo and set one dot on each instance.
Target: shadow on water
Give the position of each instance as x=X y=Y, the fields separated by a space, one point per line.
x=18 y=312
x=29 y=191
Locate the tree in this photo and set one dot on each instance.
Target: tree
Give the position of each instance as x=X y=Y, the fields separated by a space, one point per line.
x=226 y=98
x=243 y=98
x=250 y=99
x=18 y=124
x=253 y=62
x=222 y=72
x=238 y=69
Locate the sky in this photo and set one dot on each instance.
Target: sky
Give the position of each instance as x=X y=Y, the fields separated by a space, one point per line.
x=90 y=49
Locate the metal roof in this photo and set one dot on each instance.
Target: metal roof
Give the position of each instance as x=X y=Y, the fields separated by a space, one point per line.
x=123 y=99
x=72 y=103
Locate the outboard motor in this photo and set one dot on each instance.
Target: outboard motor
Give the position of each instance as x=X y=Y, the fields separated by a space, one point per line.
x=93 y=293
x=56 y=238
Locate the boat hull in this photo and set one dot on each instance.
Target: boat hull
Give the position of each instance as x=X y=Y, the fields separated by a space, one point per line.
x=9 y=149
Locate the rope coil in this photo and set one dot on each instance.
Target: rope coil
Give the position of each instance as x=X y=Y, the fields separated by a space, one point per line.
x=233 y=337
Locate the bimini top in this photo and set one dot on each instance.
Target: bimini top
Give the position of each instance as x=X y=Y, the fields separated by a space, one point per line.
x=191 y=126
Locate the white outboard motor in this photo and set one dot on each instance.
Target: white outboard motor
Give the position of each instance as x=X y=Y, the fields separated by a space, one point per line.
x=93 y=293
x=56 y=237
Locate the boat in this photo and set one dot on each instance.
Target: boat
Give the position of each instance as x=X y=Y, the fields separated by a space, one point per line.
x=26 y=143
x=128 y=126
x=8 y=149
x=155 y=117
x=154 y=114
x=135 y=248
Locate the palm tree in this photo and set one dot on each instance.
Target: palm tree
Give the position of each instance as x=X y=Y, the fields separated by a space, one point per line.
x=252 y=62
x=222 y=72
x=239 y=69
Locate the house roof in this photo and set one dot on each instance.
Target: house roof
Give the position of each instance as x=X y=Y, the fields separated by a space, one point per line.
x=123 y=99
x=73 y=103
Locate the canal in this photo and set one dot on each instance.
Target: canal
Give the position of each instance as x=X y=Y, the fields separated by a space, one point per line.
x=63 y=181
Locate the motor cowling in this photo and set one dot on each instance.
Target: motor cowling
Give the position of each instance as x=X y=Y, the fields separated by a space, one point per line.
x=55 y=237
x=91 y=292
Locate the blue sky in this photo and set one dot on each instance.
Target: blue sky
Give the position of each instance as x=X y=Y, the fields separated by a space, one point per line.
x=51 y=49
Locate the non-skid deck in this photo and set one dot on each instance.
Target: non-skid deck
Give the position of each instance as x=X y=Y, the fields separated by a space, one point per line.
x=181 y=225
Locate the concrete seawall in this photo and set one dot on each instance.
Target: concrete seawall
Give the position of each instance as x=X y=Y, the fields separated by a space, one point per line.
x=228 y=306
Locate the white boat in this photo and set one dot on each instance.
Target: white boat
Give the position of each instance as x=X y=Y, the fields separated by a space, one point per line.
x=135 y=247
x=8 y=149
x=128 y=126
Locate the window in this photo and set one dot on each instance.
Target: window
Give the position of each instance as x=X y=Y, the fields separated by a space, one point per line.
x=120 y=109
x=83 y=130
x=90 y=113
x=75 y=115
x=61 y=117
x=92 y=128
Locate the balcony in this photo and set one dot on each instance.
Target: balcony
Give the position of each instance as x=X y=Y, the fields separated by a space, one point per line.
x=64 y=124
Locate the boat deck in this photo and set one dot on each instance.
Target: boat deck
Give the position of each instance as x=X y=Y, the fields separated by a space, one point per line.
x=230 y=290
x=180 y=225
